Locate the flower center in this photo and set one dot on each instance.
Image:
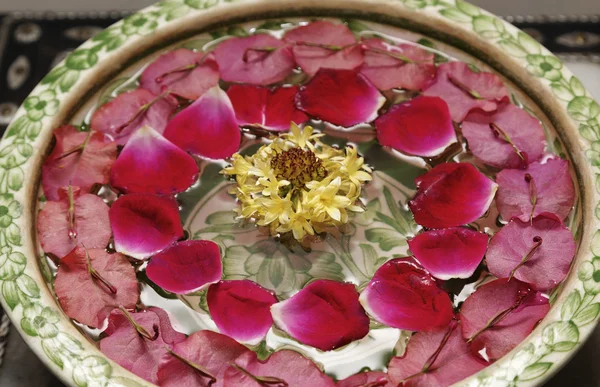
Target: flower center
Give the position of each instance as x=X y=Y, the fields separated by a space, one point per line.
x=596 y=276
x=3 y=210
x=298 y=166
x=546 y=66
x=40 y=105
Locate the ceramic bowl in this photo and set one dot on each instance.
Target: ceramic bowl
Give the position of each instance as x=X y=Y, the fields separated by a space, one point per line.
x=459 y=27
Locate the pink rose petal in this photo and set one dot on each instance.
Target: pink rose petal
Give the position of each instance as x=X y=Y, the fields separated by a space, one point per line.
x=144 y=224
x=258 y=60
x=544 y=266
x=207 y=127
x=403 y=295
x=366 y=379
x=421 y=127
x=451 y=194
x=389 y=72
x=324 y=314
x=186 y=266
x=465 y=90
x=86 y=298
x=342 y=97
x=80 y=159
x=149 y=163
x=339 y=47
x=548 y=184
x=125 y=114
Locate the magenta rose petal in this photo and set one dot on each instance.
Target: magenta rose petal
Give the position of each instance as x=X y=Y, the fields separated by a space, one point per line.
x=144 y=224
x=342 y=97
x=183 y=72
x=61 y=229
x=90 y=285
x=451 y=252
x=508 y=138
x=130 y=111
x=149 y=163
x=323 y=44
x=368 y=379
x=420 y=127
x=259 y=59
x=80 y=159
x=186 y=266
x=405 y=66
x=241 y=309
x=542 y=187
x=538 y=252
x=499 y=315
x=465 y=90
x=403 y=295
x=451 y=194
x=206 y=128
x=324 y=314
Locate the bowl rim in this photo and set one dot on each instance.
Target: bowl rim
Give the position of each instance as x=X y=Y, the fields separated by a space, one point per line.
x=47 y=330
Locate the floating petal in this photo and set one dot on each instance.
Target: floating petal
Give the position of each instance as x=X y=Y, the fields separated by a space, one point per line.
x=366 y=379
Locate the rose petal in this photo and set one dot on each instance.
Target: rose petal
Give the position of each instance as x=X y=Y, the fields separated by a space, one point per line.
x=324 y=314
x=451 y=194
x=387 y=72
x=490 y=300
x=84 y=168
x=312 y=58
x=149 y=163
x=240 y=59
x=421 y=127
x=403 y=295
x=366 y=379
x=186 y=266
x=549 y=263
x=144 y=224
x=114 y=117
x=342 y=97
x=554 y=192
x=488 y=87
x=85 y=298
x=207 y=127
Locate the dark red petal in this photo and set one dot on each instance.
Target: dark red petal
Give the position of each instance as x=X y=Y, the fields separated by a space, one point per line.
x=324 y=314
x=403 y=295
x=554 y=192
x=421 y=127
x=144 y=224
x=342 y=97
x=549 y=263
x=85 y=168
x=366 y=379
x=207 y=127
x=488 y=86
x=451 y=194
x=87 y=299
x=186 y=266
x=386 y=72
x=241 y=59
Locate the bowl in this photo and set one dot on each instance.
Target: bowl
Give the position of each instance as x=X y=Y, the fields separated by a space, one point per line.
x=458 y=28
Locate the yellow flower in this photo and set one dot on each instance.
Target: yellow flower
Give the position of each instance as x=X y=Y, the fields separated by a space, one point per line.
x=299 y=223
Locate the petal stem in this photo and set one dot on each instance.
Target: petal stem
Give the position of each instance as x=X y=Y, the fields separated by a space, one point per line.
x=267 y=50
x=185 y=68
x=391 y=54
x=78 y=149
x=140 y=329
x=464 y=88
x=266 y=381
x=498 y=132
x=142 y=110
x=197 y=367
x=536 y=245
x=498 y=317
x=95 y=275
x=71 y=215
x=532 y=194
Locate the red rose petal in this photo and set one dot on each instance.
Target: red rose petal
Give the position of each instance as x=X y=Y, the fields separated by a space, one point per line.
x=186 y=266
x=421 y=127
x=403 y=295
x=342 y=97
x=366 y=379
x=175 y=72
x=311 y=58
x=552 y=187
x=241 y=309
x=544 y=266
x=79 y=159
x=87 y=299
x=456 y=83
x=149 y=163
x=389 y=72
x=324 y=314
x=258 y=59
x=451 y=194
x=207 y=127
x=144 y=224
x=115 y=117
x=488 y=302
